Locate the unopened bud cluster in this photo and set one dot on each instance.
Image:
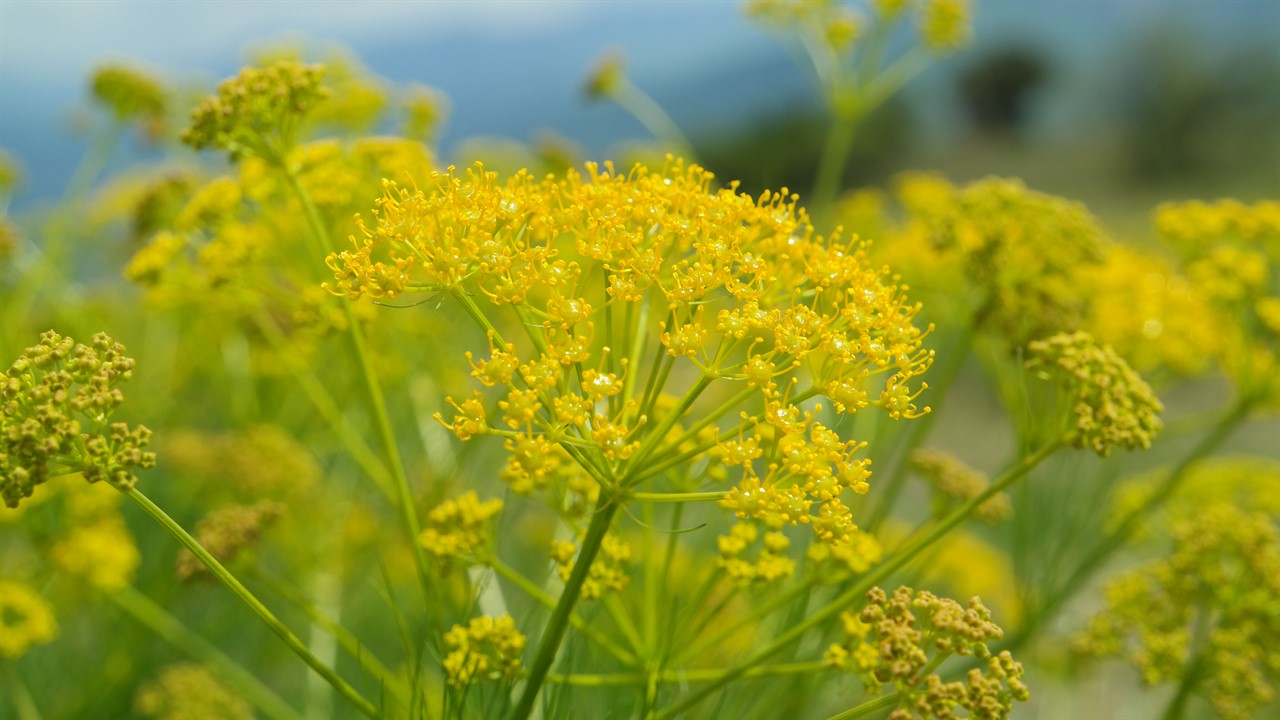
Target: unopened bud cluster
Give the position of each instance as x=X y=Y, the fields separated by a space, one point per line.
x=58 y=398
x=896 y=637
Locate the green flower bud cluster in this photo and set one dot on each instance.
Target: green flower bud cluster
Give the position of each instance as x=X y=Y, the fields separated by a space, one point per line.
x=57 y=400
x=185 y=691
x=954 y=482
x=227 y=533
x=1212 y=607
x=886 y=643
x=129 y=93
x=257 y=113
x=1112 y=404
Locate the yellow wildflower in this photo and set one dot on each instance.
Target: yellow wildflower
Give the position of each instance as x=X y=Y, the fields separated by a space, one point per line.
x=1209 y=608
x=486 y=649
x=456 y=529
x=26 y=619
x=732 y=288
x=102 y=551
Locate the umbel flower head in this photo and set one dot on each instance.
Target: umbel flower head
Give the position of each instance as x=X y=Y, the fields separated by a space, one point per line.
x=131 y=94
x=896 y=637
x=954 y=482
x=257 y=112
x=654 y=308
x=1211 y=607
x=486 y=649
x=458 y=528
x=58 y=398
x=1112 y=405
x=1017 y=257
x=227 y=533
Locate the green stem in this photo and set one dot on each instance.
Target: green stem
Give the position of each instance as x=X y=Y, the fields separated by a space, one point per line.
x=1133 y=520
x=180 y=636
x=835 y=154
x=377 y=401
x=328 y=408
x=651 y=115
x=606 y=508
x=688 y=676
x=579 y=624
x=677 y=497
x=883 y=571
x=268 y=618
x=19 y=694
x=918 y=433
x=881 y=703
x=349 y=642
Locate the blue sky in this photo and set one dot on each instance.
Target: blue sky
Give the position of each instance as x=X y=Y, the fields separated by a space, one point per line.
x=511 y=68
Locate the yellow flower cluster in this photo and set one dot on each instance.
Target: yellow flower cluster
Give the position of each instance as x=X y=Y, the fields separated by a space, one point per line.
x=57 y=399
x=456 y=529
x=738 y=290
x=608 y=572
x=1210 y=608
x=190 y=692
x=227 y=533
x=257 y=461
x=101 y=550
x=887 y=643
x=1151 y=315
x=486 y=649
x=1017 y=257
x=26 y=619
x=1112 y=405
x=862 y=552
x=1229 y=252
x=953 y=482
x=257 y=112
x=771 y=563
x=1241 y=481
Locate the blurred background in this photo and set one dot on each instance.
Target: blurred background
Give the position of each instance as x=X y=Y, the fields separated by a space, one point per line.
x=1118 y=103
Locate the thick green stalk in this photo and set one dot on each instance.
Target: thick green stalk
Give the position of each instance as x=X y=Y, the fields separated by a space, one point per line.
x=266 y=616
x=539 y=595
x=883 y=571
x=180 y=636
x=606 y=508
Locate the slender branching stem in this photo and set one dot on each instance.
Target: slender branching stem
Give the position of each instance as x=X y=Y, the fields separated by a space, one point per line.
x=180 y=636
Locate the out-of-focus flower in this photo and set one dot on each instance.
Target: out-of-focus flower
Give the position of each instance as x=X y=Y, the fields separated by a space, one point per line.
x=1210 y=607
x=227 y=533
x=955 y=482
x=26 y=619
x=486 y=649
x=190 y=692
